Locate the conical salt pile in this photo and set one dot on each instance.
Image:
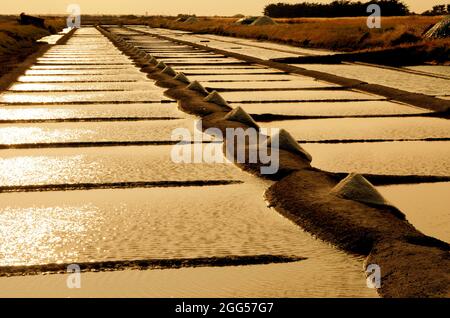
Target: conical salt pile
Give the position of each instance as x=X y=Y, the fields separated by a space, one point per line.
x=151 y=59
x=264 y=20
x=356 y=187
x=161 y=65
x=288 y=143
x=215 y=98
x=196 y=86
x=245 y=20
x=191 y=20
x=182 y=78
x=241 y=116
x=169 y=71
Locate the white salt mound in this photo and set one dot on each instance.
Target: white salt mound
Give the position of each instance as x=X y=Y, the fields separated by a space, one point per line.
x=196 y=86
x=216 y=98
x=241 y=116
x=288 y=143
x=264 y=20
x=191 y=20
x=169 y=71
x=356 y=187
x=161 y=65
x=182 y=78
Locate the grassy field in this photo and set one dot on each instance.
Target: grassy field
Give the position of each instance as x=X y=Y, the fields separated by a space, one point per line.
x=18 y=41
x=342 y=34
x=338 y=34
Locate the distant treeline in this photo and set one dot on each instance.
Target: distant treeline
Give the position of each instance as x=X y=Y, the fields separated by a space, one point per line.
x=339 y=8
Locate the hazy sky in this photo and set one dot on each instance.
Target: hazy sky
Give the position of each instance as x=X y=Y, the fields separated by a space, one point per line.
x=172 y=7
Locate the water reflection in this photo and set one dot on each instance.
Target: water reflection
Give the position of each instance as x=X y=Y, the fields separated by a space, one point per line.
x=173 y=223
x=426 y=206
x=398 y=158
x=365 y=128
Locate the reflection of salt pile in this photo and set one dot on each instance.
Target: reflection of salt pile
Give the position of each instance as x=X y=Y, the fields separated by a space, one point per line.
x=264 y=20
x=440 y=29
x=356 y=187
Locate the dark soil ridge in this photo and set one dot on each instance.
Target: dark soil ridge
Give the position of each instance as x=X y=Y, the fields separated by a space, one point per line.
x=146 y=264
x=115 y=185
x=82 y=120
x=412 y=264
x=90 y=144
x=87 y=103
x=415 y=99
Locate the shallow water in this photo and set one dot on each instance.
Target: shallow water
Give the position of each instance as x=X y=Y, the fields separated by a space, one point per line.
x=157 y=223
x=283 y=96
x=185 y=55
x=81 y=67
x=148 y=95
x=98 y=225
x=397 y=158
x=356 y=108
x=148 y=130
x=247 y=77
x=91 y=111
x=52 y=39
x=68 y=72
x=175 y=61
x=80 y=86
x=105 y=165
x=264 y=85
x=227 y=71
x=400 y=80
x=83 y=78
x=433 y=69
x=365 y=128
x=300 y=279
x=426 y=206
x=211 y=68
x=67 y=59
x=166 y=48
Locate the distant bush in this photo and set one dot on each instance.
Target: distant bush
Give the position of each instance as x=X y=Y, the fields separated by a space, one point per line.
x=438 y=10
x=338 y=8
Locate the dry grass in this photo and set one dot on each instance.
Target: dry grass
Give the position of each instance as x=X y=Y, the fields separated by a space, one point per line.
x=338 y=34
x=343 y=34
x=14 y=36
x=18 y=41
